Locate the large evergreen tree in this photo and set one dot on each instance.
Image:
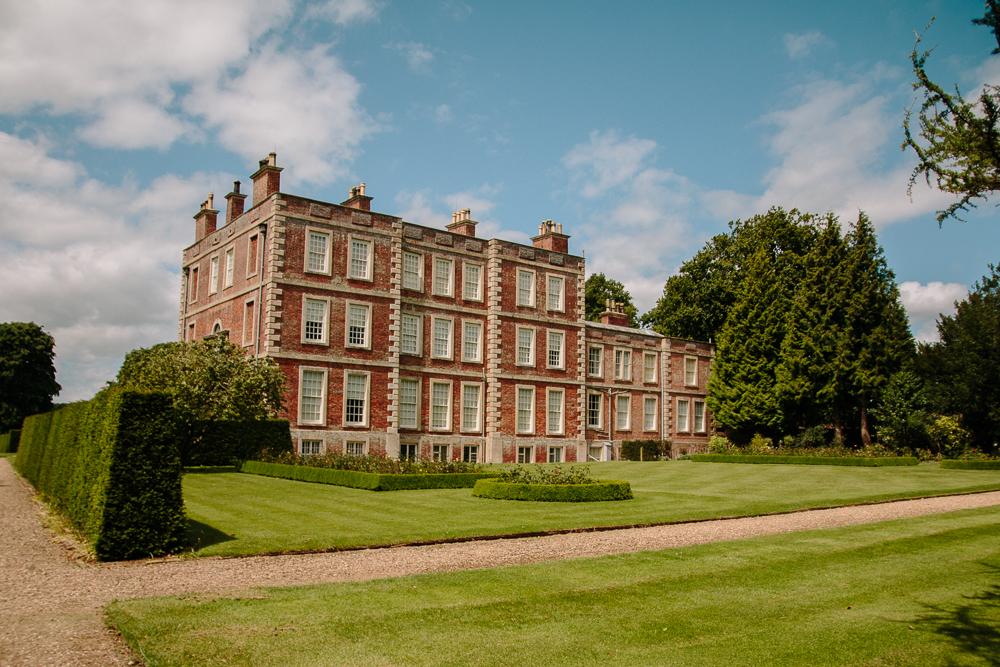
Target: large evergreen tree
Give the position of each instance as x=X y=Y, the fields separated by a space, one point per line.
x=27 y=373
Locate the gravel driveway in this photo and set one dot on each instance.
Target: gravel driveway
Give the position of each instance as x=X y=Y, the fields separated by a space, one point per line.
x=50 y=605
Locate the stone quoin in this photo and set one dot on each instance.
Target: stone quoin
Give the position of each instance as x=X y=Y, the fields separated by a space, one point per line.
x=411 y=341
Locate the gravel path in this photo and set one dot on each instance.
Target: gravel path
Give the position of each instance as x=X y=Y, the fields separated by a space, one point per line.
x=50 y=605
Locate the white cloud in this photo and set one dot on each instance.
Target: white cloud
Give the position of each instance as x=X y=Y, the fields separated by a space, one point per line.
x=135 y=124
x=345 y=11
x=96 y=265
x=800 y=46
x=430 y=210
x=926 y=303
x=443 y=114
x=606 y=161
x=416 y=54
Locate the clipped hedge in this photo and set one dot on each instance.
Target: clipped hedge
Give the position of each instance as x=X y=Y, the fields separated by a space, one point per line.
x=970 y=465
x=225 y=443
x=605 y=489
x=369 y=481
x=868 y=462
x=110 y=466
x=644 y=450
x=9 y=442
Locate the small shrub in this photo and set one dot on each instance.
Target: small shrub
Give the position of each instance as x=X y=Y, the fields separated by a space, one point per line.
x=718 y=445
x=543 y=475
x=950 y=439
x=813 y=437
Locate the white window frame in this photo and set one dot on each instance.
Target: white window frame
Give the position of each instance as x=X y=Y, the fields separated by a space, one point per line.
x=249 y=323
x=325 y=338
x=451 y=337
x=559 y=307
x=557 y=454
x=227 y=281
x=694 y=373
x=213 y=275
x=368 y=325
x=447 y=452
x=416 y=408
x=600 y=361
x=252 y=256
x=478 y=426
x=479 y=344
x=327 y=258
x=530 y=458
x=479 y=283
x=322 y=399
x=420 y=271
x=531 y=293
x=656 y=411
x=301 y=441
x=517 y=410
x=623 y=371
x=368 y=400
x=450 y=291
x=645 y=358
x=369 y=264
x=364 y=445
x=694 y=417
x=468 y=449
x=531 y=348
x=628 y=412
x=600 y=410
x=448 y=408
x=561 y=426
x=558 y=333
x=686 y=426
x=420 y=335
x=193 y=281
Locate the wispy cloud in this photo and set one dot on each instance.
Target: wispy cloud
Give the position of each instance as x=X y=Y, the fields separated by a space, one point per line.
x=417 y=56
x=434 y=210
x=344 y=12
x=801 y=46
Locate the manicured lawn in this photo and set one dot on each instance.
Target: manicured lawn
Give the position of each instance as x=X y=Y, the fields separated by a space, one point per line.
x=920 y=591
x=233 y=513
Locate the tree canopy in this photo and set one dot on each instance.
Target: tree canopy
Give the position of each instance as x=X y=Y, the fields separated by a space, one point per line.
x=27 y=373
x=599 y=289
x=209 y=380
x=957 y=142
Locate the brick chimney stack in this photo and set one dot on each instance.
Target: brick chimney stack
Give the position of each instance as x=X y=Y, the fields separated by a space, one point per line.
x=462 y=223
x=358 y=199
x=615 y=314
x=234 y=203
x=206 y=219
x=550 y=237
x=267 y=179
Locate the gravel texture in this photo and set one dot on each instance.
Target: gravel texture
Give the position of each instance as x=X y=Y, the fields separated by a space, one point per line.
x=51 y=603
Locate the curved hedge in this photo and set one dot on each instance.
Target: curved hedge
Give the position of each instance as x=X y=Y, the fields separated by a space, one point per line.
x=970 y=465
x=809 y=460
x=605 y=489
x=364 y=480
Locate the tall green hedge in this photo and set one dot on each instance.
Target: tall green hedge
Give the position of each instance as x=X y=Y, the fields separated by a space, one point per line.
x=110 y=466
x=878 y=462
x=644 y=450
x=227 y=442
x=9 y=441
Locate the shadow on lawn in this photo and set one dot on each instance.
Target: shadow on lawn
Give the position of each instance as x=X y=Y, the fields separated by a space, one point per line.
x=201 y=535
x=973 y=628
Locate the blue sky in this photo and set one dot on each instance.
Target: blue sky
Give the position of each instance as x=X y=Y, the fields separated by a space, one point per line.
x=643 y=127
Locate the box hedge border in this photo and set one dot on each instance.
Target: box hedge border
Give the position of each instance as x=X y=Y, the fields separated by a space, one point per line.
x=867 y=462
x=604 y=489
x=970 y=465
x=9 y=442
x=368 y=481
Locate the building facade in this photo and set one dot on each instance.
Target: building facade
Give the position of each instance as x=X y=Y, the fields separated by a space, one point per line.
x=410 y=341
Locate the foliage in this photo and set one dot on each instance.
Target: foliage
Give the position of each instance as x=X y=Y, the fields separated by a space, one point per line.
x=599 y=289
x=374 y=463
x=110 y=466
x=958 y=142
x=27 y=373
x=226 y=442
x=949 y=438
x=820 y=445
x=364 y=480
x=594 y=491
x=644 y=450
x=717 y=444
x=797 y=459
x=545 y=475
x=901 y=415
x=209 y=380
x=960 y=371
x=9 y=442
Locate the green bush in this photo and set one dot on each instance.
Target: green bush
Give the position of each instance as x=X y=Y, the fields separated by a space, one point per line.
x=110 y=466
x=970 y=465
x=224 y=443
x=645 y=450
x=10 y=441
x=364 y=480
x=543 y=475
x=375 y=463
x=603 y=489
x=809 y=460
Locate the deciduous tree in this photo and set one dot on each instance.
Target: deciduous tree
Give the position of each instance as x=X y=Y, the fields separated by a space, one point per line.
x=27 y=373
x=599 y=289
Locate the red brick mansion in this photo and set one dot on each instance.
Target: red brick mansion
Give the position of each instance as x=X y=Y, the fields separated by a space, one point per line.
x=412 y=341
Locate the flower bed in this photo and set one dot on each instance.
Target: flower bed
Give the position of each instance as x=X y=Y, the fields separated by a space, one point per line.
x=970 y=465
x=602 y=489
x=877 y=462
x=365 y=480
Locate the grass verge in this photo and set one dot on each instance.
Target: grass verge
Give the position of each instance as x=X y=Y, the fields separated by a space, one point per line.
x=231 y=513
x=921 y=591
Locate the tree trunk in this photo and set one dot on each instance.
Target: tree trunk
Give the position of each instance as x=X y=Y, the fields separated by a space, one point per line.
x=866 y=437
